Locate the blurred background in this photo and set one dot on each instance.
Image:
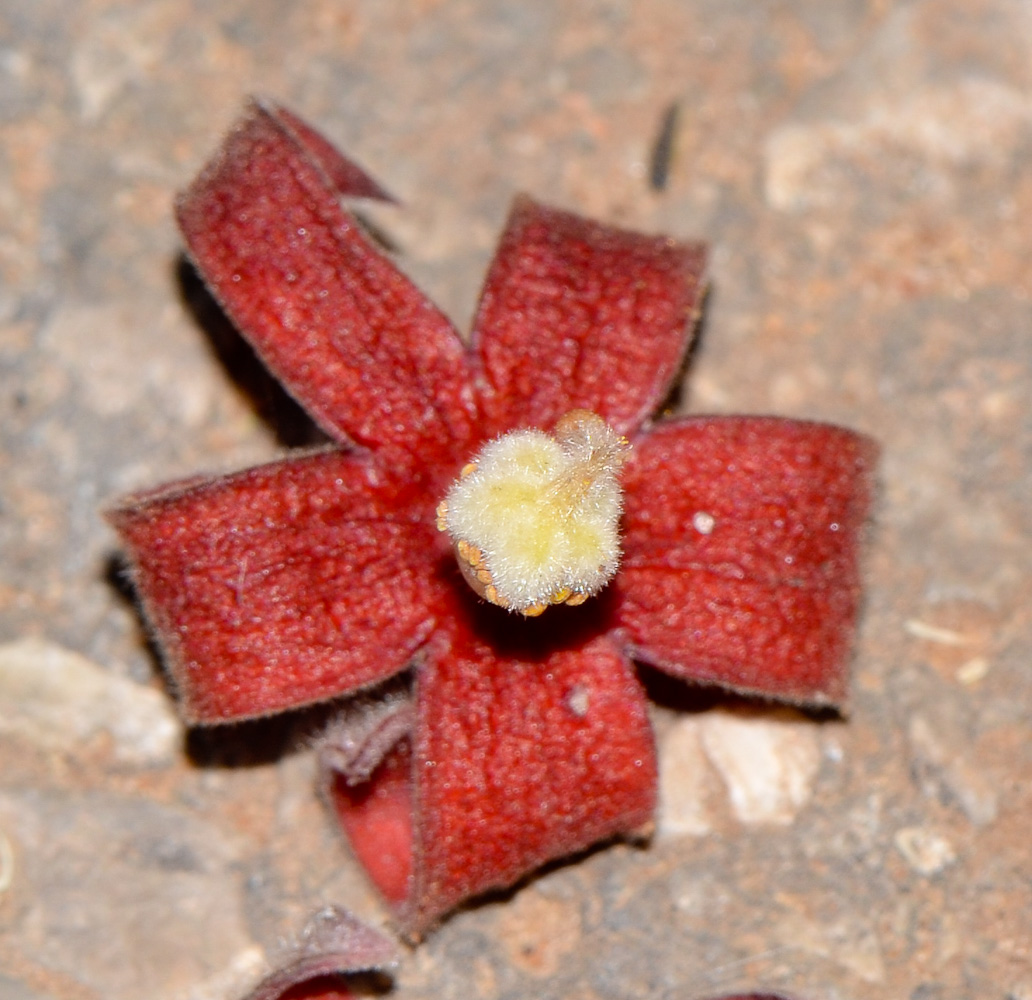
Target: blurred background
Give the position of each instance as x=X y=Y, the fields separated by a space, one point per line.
x=860 y=170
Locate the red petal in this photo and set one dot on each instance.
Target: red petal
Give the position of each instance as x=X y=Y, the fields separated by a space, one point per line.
x=376 y=815
x=347 y=178
x=521 y=761
x=285 y=584
x=332 y=987
x=333 y=945
x=764 y=601
x=352 y=338
x=522 y=754
x=578 y=314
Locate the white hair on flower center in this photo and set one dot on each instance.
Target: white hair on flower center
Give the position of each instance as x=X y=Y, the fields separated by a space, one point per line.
x=535 y=518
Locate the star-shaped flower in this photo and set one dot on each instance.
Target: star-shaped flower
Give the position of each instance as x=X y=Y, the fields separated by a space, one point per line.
x=519 y=739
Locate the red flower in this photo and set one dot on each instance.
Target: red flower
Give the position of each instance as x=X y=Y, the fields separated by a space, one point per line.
x=521 y=740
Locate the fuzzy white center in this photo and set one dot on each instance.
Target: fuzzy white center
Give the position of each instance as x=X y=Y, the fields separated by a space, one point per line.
x=542 y=512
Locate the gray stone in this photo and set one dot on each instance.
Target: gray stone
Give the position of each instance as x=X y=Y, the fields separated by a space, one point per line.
x=59 y=700
x=14 y=989
x=123 y=896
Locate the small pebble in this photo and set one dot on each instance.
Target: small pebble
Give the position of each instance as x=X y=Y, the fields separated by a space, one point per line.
x=925 y=851
x=768 y=761
x=973 y=671
x=934 y=633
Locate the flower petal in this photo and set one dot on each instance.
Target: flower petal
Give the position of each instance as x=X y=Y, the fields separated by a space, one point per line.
x=741 y=552
x=333 y=946
x=365 y=764
x=376 y=817
x=523 y=752
x=350 y=336
x=523 y=759
x=346 y=177
x=284 y=584
x=578 y=314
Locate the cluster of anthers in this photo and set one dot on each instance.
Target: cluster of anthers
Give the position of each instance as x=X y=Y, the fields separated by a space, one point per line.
x=535 y=518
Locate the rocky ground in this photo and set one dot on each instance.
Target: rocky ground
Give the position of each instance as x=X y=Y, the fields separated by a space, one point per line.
x=860 y=170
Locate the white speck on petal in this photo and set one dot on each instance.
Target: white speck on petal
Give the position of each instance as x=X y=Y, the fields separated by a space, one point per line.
x=703 y=522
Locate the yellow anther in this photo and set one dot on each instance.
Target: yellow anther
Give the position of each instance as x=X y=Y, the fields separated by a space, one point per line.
x=471 y=556
x=576 y=598
x=467 y=469
x=442 y=516
x=534 y=610
x=561 y=595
